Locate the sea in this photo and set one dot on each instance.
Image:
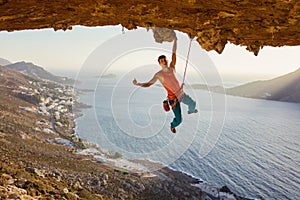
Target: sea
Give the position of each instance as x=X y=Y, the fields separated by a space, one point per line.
x=250 y=145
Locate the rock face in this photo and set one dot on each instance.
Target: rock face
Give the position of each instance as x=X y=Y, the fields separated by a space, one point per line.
x=251 y=23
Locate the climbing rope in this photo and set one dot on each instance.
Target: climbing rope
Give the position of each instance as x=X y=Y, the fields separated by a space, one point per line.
x=186 y=63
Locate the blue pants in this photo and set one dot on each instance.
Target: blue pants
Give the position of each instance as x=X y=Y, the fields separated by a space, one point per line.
x=187 y=100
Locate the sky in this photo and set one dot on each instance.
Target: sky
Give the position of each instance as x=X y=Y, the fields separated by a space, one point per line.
x=61 y=51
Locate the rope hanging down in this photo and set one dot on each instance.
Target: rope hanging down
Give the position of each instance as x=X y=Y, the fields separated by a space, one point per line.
x=186 y=63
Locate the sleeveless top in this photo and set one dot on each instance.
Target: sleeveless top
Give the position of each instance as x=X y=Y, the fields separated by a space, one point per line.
x=171 y=84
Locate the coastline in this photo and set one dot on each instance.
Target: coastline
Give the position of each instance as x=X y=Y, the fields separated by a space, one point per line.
x=153 y=169
x=42 y=158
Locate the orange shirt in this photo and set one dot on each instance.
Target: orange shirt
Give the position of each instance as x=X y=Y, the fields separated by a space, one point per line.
x=171 y=84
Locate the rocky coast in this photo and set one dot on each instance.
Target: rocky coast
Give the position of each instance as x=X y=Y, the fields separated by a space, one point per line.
x=41 y=157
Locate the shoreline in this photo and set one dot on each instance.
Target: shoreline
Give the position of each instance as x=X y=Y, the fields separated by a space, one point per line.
x=81 y=115
x=196 y=182
x=42 y=156
x=38 y=162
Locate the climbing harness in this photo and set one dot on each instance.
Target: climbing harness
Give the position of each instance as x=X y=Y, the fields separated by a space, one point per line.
x=166 y=105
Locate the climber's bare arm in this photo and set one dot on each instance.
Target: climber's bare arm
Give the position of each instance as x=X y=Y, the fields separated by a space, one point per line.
x=146 y=84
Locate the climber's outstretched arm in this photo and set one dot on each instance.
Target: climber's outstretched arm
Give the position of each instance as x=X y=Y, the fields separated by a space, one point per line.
x=147 y=84
x=173 y=62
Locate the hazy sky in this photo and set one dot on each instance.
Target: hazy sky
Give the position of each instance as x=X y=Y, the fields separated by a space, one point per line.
x=69 y=50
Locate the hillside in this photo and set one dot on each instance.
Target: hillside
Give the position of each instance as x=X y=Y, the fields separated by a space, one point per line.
x=41 y=158
x=283 y=88
x=36 y=71
x=4 y=62
x=13 y=79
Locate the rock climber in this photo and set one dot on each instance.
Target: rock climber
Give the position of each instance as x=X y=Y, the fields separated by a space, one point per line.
x=176 y=95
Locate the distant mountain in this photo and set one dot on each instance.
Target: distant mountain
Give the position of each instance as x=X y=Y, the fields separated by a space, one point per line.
x=4 y=62
x=35 y=71
x=106 y=76
x=109 y=76
x=283 y=88
x=218 y=89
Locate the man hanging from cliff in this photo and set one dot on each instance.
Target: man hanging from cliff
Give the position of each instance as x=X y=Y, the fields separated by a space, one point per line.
x=167 y=78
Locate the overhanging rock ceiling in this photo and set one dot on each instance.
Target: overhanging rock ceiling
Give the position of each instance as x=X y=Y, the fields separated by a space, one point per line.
x=250 y=23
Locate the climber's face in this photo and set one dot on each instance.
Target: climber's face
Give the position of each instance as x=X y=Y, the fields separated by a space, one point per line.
x=163 y=62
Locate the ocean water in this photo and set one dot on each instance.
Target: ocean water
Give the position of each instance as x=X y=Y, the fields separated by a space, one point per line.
x=250 y=145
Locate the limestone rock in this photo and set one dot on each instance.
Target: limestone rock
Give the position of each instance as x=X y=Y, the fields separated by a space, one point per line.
x=35 y=171
x=253 y=24
x=163 y=34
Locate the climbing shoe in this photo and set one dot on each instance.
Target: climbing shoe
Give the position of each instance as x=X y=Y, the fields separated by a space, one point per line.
x=195 y=111
x=173 y=129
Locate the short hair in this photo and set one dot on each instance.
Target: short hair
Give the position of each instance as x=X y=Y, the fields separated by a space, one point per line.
x=161 y=57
